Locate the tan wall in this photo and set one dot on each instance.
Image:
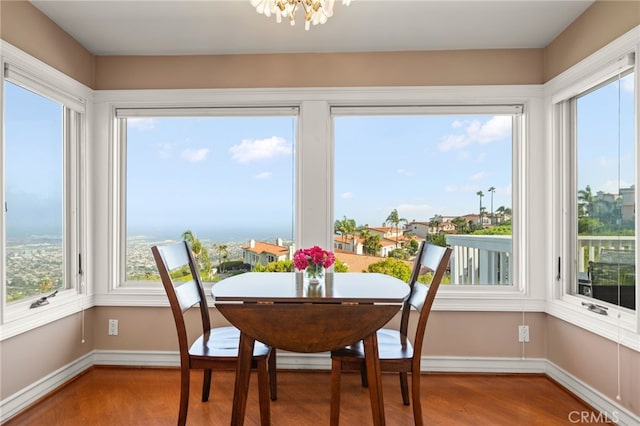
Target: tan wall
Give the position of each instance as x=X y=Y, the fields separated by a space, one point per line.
x=599 y=25
x=480 y=67
x=30 y=30
x=27 y=358
x=593 y=360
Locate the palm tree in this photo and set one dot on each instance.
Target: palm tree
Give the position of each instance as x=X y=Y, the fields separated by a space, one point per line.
x=492 y=190
x=200 y=253
x=371 y=244
x=585 y=201
x=395 y=220
x=480 y=194
x=223 y=253
x=345 y=227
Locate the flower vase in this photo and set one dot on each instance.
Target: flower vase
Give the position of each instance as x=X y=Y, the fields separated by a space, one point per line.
x=314 y=274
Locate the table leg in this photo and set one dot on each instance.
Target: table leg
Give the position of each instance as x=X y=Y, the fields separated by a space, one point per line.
x=374 y=378
x=243 y=374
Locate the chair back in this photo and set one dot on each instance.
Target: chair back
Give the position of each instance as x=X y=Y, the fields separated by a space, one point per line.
x=421 y=297
x=183 y=286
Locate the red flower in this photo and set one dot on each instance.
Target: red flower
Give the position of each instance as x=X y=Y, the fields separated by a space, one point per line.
x=314 y=256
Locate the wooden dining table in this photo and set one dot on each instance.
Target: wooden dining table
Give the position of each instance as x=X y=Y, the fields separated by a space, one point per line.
x=284 y=311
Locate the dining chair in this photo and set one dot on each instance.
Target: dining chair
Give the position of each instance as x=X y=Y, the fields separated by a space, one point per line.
x=216 y=348
x=395 y=350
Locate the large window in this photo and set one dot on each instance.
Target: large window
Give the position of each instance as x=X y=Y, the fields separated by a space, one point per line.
x=222 y=181
x=41 y=199
x=594 y=126
x=403 y=175
x=605 y=204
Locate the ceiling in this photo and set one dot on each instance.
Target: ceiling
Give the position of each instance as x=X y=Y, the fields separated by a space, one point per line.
x=185 y=27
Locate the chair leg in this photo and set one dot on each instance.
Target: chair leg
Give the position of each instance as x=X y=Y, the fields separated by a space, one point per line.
x=263 y=392
x=363 y=375
x=273 y=383
x=336 y=373
x=404 y=388
x=206 y=385
x=184 y=395
x=415 y=395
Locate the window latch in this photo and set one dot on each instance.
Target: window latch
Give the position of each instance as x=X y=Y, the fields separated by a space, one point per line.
x=43 y=300
x=598 y=309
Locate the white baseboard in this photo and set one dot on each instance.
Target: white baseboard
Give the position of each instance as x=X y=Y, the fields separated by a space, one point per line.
x=610 y=410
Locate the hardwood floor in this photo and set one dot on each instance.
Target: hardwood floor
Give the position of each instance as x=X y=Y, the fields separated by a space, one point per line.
x=144 y=396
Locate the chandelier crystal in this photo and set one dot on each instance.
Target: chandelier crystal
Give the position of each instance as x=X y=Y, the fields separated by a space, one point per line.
x=315 y=11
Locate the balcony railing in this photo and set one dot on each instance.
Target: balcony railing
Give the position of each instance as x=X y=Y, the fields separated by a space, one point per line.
x=487 y=259
x=481 y=259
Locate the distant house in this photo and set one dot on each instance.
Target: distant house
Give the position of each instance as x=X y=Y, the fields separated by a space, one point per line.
x=419 y=229
x=260 y=252
x=351 y=244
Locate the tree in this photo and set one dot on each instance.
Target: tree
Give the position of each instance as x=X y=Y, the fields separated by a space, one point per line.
x=460 y=225
x=345 y=227
x=492 y=190
x=223 y=253
x=585 y=201
x=395 y=220
x=389 y=266
x=480 y=194
x=200 y=254
x=371 y=243
x=435 y=223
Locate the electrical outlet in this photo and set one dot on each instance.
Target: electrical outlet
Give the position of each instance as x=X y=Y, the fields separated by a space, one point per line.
x=113 y=327
x=523 y=333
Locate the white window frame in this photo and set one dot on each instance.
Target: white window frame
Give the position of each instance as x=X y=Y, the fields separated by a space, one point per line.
x=619 y=325
x=30 y=73
x=314 y=159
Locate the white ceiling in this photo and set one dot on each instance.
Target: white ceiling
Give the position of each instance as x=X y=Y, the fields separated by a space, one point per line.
x=187 y=27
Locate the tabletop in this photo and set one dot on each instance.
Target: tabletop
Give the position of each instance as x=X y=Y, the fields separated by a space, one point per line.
x=289 y=287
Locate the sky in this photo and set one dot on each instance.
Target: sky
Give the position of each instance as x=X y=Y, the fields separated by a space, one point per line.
x=215 y=174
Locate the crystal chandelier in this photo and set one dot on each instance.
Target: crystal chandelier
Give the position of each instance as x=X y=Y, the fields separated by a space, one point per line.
x=315 y=11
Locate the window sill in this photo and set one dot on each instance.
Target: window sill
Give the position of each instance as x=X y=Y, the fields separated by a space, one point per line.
x=20 y=318
x=618 y=326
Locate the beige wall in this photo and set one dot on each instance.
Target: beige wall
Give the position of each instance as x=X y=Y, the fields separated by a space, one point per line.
x=593 y=360
x=30 y=356
x=599 y=25
x=30 y=30
x=519 y=66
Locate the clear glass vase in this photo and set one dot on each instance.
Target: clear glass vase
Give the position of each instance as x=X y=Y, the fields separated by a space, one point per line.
x=314 y=274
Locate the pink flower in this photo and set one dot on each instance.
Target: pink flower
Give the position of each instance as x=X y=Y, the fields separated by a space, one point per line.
x=314 y=256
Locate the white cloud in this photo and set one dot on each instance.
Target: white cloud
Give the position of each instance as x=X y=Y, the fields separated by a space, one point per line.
x=475 y=131
x=260 y=149
x=627 y=83
x=404 y=172
x=478 y=176
x=164 y=150
x=141 y=123
x=264 y=175
x=194 y=155
x=347 y=195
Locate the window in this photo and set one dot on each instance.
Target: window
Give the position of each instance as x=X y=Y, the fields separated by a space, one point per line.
x=222 y=180
x=605 y=163
x=593 y=134
x=41 y=198
x=403 y=175
x=34 y=188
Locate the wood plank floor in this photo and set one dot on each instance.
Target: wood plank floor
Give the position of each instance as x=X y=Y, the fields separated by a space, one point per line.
x=146 y=396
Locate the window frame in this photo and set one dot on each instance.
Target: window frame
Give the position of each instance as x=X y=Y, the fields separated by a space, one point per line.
x=560 y=93
x=313 y=170
x=75 y=98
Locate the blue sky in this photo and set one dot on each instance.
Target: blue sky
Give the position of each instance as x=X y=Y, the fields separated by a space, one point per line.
x=213 y=174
